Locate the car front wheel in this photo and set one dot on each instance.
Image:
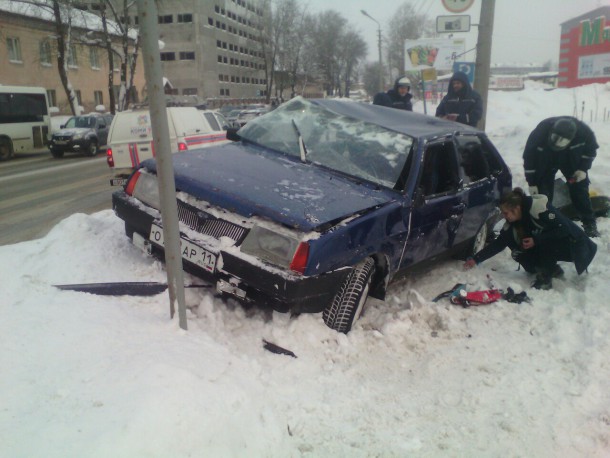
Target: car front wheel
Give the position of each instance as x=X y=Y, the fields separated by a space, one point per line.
x=6 y=149
x=348 y=303
x=92 y=149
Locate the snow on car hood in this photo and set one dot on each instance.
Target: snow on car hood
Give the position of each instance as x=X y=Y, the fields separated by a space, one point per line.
x=250 y=181
x=72 y=131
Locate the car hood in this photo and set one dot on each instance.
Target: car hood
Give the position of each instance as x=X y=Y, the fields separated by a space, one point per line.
x=251 y=181
x=72 y=131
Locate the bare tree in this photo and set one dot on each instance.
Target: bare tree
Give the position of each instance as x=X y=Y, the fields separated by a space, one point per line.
x=353 y=50
x=405 y=24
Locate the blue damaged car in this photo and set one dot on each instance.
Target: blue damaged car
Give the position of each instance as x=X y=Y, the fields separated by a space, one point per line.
x=320 y=204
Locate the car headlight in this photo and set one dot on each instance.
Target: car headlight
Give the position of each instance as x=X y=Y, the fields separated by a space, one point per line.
x=270 y=246
x=77 y=136
x=146 y=189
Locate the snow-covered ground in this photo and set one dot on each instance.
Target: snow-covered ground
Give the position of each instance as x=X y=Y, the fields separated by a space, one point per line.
x=94 y=376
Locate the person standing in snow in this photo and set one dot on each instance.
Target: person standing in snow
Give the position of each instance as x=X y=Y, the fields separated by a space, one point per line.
x=567 y=144
x=538 y=236
x=398 y=97
x=462 y=103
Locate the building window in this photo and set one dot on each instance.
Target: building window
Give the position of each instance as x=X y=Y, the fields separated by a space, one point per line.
x=14 y=49
x=52 y=96
x=187 y=55
x=185 y=18
x=168 y=56
x=189 y=91
x=94 y=59
x=45 y=52
x=210 y=21
x=167 y=19
x=98 y=96
x=72 y=59
x=79 y=99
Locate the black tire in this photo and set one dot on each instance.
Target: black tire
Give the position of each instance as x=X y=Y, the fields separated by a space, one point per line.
x=6 y=149
x=92 y=148
x=57 y=154
x=347 y=305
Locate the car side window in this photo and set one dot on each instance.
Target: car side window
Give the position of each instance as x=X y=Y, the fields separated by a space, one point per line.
x=476 y=157
x=440 y=174
x=212 y=120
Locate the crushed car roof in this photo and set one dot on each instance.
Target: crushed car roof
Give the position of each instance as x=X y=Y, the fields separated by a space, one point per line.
x=405 y=122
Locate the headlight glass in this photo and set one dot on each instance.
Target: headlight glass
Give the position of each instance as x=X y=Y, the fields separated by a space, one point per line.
x=77 y=136
x=270 y=246
x=147 y=190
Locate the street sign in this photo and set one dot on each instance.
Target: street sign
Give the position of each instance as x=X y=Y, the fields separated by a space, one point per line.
x=451 y=24
x=457 y=6
x=467 y=68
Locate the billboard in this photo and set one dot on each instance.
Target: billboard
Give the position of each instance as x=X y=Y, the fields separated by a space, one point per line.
x=594 y=66
x=439 y=53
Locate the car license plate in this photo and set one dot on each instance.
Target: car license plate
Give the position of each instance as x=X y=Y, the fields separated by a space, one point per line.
x=61 y=142
x=190 y=252
x=118 y=181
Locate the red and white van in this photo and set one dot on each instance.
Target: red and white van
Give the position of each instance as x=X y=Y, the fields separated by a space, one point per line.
x=130 y=138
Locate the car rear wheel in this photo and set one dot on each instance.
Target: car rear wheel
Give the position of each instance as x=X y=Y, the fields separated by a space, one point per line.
x=348 y=303
x=92 y=149
x=57 y=154
x=6 y=149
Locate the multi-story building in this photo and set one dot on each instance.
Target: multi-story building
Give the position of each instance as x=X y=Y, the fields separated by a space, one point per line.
x=28 y=57
x=584 y=55
x=212 y=49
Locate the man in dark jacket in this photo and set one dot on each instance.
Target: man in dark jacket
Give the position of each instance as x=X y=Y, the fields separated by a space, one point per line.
x=567 y=144
x=397 y=97
x=462 y=103
x=538 y=236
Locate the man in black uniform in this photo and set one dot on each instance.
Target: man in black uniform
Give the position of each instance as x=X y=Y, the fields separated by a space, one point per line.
x=567 y=144
x=397 y=97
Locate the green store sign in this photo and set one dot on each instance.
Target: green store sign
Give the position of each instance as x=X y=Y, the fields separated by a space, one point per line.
x=594 y=32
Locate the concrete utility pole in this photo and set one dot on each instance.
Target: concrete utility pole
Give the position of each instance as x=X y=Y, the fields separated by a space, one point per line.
x=148 y=18
x=483 y=62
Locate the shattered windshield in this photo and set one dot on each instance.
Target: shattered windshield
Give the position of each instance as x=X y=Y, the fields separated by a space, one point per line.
x=335 y=141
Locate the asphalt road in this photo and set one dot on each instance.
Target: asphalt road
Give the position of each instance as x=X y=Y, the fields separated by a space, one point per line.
x=38 y=191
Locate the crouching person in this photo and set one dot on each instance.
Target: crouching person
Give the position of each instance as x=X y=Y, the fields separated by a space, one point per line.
x=538 y=236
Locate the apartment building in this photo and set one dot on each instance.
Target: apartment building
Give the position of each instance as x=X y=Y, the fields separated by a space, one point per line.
x=28 y=57
x=212 y=48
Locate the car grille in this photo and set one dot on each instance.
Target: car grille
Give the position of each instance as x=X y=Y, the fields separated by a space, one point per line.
x=207 y=224
x=62 y=138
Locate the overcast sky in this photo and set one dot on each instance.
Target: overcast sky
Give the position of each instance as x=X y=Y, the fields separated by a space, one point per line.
x=525 y=31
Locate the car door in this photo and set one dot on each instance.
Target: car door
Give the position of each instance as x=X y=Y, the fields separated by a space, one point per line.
x=439 y=204
x=479 y=168
x=102 y=128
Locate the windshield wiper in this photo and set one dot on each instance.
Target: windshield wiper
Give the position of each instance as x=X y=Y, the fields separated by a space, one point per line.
x=302 y=148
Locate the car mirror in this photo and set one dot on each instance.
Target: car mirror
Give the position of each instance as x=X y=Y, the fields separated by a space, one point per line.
x=232 y=134
x=63 y=126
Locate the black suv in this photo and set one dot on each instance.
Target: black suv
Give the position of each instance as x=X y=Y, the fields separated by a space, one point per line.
x=81 y=134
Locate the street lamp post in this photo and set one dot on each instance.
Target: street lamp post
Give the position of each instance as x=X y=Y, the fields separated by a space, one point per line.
x=379 y=48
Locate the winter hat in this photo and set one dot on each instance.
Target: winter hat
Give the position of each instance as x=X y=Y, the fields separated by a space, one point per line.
x=562 y=133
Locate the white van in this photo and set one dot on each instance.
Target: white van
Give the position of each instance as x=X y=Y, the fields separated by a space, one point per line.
x=130 y=138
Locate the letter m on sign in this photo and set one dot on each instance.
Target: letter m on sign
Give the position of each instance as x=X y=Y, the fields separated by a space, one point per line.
x=591 y=31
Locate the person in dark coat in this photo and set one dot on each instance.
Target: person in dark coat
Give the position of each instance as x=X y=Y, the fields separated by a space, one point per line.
x=538 y=236
x=398 y=97
x=567 y=144
x=462 y=103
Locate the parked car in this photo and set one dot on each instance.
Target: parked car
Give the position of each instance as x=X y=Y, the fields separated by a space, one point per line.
x=81 y=134
x=321 y=203
x=248 y=115
x=130 y=140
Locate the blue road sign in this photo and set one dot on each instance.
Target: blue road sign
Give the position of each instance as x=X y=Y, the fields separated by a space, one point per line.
x=466 y=67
